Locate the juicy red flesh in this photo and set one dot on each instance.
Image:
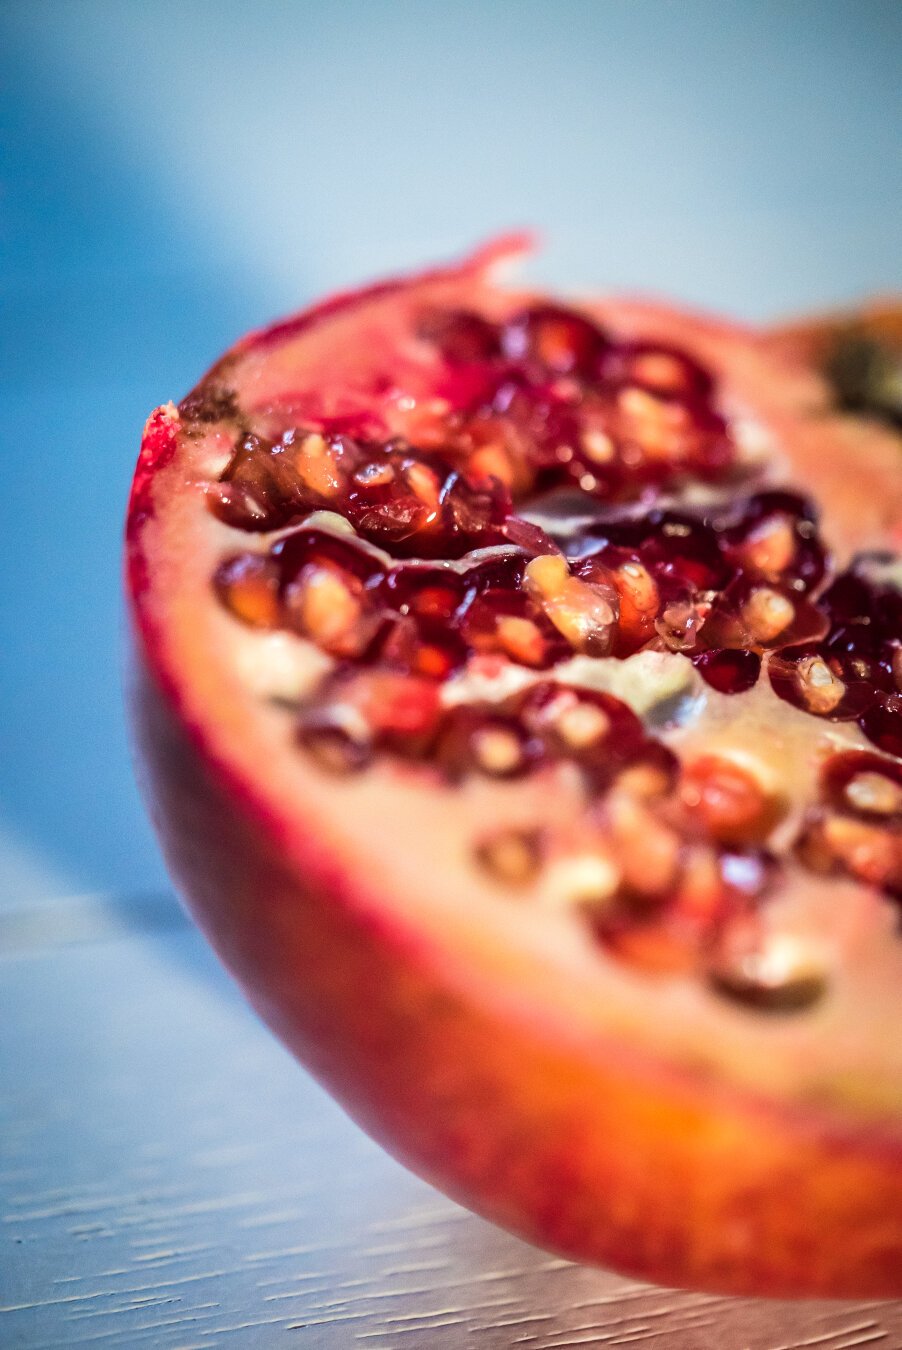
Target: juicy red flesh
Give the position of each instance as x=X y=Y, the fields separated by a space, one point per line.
x=545 y=522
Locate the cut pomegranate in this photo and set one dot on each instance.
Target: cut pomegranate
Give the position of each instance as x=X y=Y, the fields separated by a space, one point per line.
x=524 y=726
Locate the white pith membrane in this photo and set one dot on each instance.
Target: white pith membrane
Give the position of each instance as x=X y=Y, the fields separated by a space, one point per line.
x=410 y=841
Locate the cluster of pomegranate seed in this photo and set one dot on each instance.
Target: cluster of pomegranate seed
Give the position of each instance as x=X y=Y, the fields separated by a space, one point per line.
x=546 y=522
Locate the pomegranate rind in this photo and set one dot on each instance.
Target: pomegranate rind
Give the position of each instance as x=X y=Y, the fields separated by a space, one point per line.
x=504 y=1065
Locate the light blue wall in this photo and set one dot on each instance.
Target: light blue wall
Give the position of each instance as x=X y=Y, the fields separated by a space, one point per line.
x=175 y=172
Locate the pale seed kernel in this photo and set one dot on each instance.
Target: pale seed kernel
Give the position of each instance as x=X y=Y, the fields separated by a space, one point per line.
x=324 y=606
x=521 y=639
x=770 y=971
x=640 y=584
x=375 y=474
x=497 y=751
x=546 y=575
x=874 y=793
x=821 y=689
x=582 y=725
x=771 y=547
x=423 y=483
x=597 y=446
x=767 y=614
x=647 y=850
x=870 y=851
x=579 y=610
x=644 y=781
x=315 y=465
x=589 y=879
x=512 y=856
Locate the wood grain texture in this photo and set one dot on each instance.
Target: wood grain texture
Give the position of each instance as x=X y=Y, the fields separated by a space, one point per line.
x=169 y=1177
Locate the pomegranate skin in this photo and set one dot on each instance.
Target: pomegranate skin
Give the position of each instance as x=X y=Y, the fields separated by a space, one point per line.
x=586 y=1144
x=597 y=1156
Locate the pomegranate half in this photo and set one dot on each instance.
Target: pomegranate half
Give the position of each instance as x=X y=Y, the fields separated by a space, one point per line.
x=519 y=700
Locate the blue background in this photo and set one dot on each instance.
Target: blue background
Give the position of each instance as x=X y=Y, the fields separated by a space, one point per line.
x=173 y=173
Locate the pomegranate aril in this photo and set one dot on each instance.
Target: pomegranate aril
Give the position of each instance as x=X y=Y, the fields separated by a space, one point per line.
x=474 y=513
x=462 y=336
x=331 y=746
x=684 y=548
x=326 y=606
x=864 y=784
x=324 y=591
x=256 y=491
x=775 y=537
x=728 y=801
x=638 y=596
x=421 y=647
x=728 y=670
x=429 y=592
x=647 y=773
x=584 y=612
x=755 y=965
x=530 y=420
x=648 y=850
x=595 y=729
x=659 y=435
x=485 y=740
x=819 y=683
x=319 y=465
x=512 y=856
x=657 y=367
x=882 y=723
x=554 y=340
x=868 y=849
x=376 y=709
x=248 y=586
x=759 y=616
x=509 y=623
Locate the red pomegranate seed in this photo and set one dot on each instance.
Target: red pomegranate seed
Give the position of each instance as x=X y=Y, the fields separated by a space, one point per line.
x=430 y=592
x=760 y=616
x=584 y=612
x=812 y=679
x=755 y=965
x=659 y=368
x=508 y=622
x=319 y=464
x=776 y=538
x=864 y=784
x=258 y=490
x=882 y=723
x=248 y=586
x=555 y=340
x=596 y=729
x=730 y=671
x=726 y=799
x=328 y=591
x=462 y=336
x=421 y=647
x=485 y=740
x=868 y=849
x=512 y=855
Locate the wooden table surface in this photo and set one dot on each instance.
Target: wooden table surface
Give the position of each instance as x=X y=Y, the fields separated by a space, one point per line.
x=169 y=1177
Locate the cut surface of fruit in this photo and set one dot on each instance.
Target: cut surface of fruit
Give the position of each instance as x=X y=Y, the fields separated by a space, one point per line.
x=519 y=694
